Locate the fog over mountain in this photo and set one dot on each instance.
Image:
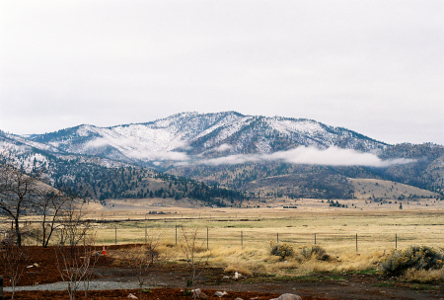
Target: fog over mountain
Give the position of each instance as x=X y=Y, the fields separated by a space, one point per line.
x=332 y=156
x=219 y=138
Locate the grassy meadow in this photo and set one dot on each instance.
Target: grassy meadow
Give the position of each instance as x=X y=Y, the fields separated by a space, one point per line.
x=335 y=231
x=239 y=239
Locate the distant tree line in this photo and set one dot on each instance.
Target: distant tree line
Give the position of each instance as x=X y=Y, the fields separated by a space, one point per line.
x=101 y=183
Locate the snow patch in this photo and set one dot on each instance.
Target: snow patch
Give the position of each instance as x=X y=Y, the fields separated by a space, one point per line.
x=223 y=147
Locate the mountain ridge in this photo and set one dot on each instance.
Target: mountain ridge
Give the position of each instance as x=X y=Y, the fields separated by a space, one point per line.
x=205 y=146
x=202 y=133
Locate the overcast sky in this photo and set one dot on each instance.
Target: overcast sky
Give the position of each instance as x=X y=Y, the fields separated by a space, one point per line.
x=376 y=67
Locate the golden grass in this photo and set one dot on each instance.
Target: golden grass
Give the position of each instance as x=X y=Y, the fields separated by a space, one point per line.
x=335 y=232
x=254 y=261
x=228 y=229
x=424 y=276
x=365 y=188
x=255 y=228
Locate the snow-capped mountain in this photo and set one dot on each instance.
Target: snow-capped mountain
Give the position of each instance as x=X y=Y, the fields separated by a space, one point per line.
x=229 y=149
x=192 y=135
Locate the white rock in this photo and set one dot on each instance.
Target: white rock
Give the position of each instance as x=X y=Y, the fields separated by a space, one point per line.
x=132 y=296
x=287 y=296
x=220 y=294
x=199 y=294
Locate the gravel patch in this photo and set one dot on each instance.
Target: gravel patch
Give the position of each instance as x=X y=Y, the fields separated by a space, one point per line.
x=62 y=286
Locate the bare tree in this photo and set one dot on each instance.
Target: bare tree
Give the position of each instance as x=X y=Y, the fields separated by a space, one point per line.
x=142 y=258
x=52 y=207
x=16 y=191
x=75 y=252
x=190 y=248
x=13 y=258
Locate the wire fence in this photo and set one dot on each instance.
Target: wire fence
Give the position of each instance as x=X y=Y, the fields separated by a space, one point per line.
x=261 y=237
x=108 y=233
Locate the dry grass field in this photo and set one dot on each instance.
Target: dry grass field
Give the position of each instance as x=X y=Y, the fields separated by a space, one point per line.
x=335 y=230
x=352 y=241
x=368 y=188
x=239 y=239
x=379 y=226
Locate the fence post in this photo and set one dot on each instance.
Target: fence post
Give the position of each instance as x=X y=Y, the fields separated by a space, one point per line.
x=277 y=237
x=356 y=242
x=115 y=235
x=146 y=234
x=242 y=239
x=176 y=235
x=1 y=287
x=315 y=238
x=396 y=241
x=207 y=238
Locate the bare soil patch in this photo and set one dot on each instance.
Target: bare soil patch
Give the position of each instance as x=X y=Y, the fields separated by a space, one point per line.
x=170 y=279
x=155 y=294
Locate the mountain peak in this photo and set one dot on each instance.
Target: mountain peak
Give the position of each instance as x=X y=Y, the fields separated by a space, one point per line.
x=192 y=134
x=203 y=142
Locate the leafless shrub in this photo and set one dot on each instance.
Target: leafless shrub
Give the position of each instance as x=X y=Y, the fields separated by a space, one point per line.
x=13 y=259
x=75 y=252
x=143 y=257
x=52 y=206
x=190 y=248
x=16 y=191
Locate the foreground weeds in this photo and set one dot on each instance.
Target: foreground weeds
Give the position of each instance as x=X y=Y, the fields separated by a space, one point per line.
x=269 y=261
x=424 y=276
x=305 y=262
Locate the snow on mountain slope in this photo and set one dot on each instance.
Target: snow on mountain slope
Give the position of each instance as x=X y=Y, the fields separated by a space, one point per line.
x=189 y=135
x=290 y=126
x=17 y=140
x=21 y=152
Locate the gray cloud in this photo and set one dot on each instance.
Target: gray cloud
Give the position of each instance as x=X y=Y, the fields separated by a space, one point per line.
x=332 y=156
x=372 y=66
